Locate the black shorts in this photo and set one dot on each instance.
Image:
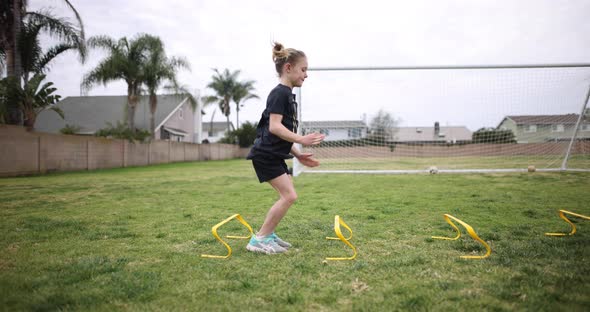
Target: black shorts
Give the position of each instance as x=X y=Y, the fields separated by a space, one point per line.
x=268 y=169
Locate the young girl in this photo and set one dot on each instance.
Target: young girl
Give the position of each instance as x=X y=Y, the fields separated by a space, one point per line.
x=275 y=136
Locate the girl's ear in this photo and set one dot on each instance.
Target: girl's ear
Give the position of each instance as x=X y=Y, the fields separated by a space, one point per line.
x=288 y=67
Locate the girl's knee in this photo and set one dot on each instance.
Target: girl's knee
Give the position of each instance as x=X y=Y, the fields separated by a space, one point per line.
x=290 y=197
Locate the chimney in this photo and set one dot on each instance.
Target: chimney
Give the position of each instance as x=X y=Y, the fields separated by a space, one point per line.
x=436 y=128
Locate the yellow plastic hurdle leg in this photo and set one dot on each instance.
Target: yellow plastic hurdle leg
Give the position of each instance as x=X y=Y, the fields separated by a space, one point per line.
x=471 y=232
x=337 y=223
x=214 y=231
x=562 y=214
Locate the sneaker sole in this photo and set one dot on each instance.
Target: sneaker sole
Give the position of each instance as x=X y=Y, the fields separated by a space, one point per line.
x=256 y=249
x=284 y=246
x=262 y=250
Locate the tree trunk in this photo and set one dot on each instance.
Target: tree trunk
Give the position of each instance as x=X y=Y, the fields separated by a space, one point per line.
x=132 y=99
x=29 y=121
x=28 y=115
x=153 y=106
x=237 y=116
x=226 y=112
x=13 y=57
x=13 y=60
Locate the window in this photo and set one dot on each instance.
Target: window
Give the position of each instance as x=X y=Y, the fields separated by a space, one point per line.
x=180 y=114
x=354 y=133
x=557 y=128
x=585 y=127
x=530 y=128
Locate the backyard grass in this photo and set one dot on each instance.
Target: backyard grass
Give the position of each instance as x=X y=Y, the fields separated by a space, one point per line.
x=131 y=239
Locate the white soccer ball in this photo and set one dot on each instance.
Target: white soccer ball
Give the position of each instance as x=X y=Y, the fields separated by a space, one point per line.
x=433 y=170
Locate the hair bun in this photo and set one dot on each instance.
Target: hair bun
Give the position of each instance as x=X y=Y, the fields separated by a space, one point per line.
x=279 y=52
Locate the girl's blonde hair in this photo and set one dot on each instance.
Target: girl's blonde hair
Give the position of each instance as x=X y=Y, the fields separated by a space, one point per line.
x=282 y=56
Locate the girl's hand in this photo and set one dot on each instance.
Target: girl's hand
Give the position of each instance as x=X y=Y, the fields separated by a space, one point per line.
x=312 y=139
x=307 y=160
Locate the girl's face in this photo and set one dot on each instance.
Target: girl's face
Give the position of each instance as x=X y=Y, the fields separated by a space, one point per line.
x=296 y=73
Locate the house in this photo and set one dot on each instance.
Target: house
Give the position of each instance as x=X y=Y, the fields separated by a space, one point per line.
x=215 y=131
x=545 y=128
x=336 y=130
x=432 y=135
x=174 y=116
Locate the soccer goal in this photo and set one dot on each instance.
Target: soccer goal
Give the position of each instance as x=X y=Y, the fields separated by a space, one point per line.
x=447 y=118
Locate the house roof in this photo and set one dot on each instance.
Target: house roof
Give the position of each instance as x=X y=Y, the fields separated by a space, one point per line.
x=92 y=113
x=420 y=134
x=333 y=124
x=217 y=126
x=543 y=119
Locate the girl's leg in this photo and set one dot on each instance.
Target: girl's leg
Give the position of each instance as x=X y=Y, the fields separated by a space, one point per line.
x=287 y=196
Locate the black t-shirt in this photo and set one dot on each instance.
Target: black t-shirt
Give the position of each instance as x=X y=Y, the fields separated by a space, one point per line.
x=267 y=145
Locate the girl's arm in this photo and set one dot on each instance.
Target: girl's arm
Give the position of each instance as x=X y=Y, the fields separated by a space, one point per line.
x=295 y=151
x=276 y=127
x=304 y=158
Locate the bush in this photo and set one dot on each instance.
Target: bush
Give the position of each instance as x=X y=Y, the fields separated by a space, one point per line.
x=69 y=129
x=243 y=136
x=492 y=135
x=121 y=131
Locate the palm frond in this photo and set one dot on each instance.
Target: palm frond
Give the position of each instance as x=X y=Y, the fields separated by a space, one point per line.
x=105 y=72
x=52 y=53
x=77 y=17
x=59 y=28
x=104 y=42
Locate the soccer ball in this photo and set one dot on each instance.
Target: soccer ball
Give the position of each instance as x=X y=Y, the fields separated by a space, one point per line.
x=433 y=170
x=532 y=168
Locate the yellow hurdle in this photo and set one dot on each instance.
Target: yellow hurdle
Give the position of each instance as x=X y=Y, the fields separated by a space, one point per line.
x=562 y=214
x=337 y=223
x=214 y=231
x=471 y=232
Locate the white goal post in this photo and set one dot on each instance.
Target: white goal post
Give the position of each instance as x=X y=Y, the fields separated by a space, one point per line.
x=431 y=119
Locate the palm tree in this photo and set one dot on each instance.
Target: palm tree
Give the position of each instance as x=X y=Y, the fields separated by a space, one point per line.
x=12 y=15
x=32 y=98
x=159 y=69
x=126 y=61
x=243 y=92
x=36 y=98
x=224 y=84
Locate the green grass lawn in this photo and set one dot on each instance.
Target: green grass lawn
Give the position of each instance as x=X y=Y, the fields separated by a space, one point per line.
x=131 y=239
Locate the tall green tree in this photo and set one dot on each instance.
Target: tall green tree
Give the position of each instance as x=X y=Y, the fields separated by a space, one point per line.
x=12 y=16
x=223 y=84
x=382 y=127
x=125 y=61
x=160 y=69
x=243 y=91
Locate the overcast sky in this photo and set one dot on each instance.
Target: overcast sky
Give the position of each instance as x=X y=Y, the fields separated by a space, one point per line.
x=238 y=34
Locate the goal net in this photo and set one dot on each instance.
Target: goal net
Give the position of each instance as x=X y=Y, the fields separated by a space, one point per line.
x=445 y=119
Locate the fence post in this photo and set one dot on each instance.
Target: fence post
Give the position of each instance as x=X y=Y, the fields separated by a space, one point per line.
x=39 y=154
x=87 y=154
x=124 y=142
